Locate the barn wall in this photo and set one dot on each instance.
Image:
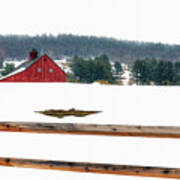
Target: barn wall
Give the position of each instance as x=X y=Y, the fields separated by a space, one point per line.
x=32 y=75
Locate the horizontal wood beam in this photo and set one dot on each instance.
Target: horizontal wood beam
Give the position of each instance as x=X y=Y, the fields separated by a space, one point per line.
x=92 y=167
x=92 y=129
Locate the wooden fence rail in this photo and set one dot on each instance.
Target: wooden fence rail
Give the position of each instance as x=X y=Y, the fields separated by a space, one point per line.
x=92 y=167
x=92 y=129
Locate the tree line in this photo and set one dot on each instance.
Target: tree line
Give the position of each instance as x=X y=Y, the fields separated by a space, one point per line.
x=18 y=46
x=144 y=71
x=152 y=71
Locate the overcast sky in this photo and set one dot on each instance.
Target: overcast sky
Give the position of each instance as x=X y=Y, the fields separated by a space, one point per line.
x=142 y=20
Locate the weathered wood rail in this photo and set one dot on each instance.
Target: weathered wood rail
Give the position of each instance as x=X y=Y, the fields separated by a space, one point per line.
x=92 y=167
x=92 y=129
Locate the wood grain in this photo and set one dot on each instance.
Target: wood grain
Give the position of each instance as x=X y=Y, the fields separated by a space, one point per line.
x=92 y=129
x=92 y=167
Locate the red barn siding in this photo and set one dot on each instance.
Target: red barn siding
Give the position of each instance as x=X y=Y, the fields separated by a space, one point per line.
x=31 y=74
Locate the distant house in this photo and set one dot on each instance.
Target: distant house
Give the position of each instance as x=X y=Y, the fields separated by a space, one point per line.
x=36 y=69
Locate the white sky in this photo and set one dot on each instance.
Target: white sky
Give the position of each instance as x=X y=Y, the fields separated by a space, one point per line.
x=142 y=20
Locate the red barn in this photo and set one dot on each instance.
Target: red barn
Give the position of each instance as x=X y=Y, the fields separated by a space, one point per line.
x=36 y=69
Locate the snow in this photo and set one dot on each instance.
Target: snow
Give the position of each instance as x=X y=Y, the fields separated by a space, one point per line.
x=135 y=105
x=126 y=77
x=64 y=65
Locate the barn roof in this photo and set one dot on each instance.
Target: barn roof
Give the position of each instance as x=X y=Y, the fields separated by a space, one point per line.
x=27 y=64
x=22 y=67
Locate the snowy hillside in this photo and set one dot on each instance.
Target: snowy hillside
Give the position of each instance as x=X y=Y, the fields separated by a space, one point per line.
x=64 y=65
x=119 y=105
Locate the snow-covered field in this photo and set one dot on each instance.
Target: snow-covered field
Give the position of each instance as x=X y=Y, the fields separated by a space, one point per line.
x=119 y=105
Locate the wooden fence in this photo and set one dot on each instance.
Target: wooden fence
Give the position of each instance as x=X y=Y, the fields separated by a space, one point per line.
x=92 y=129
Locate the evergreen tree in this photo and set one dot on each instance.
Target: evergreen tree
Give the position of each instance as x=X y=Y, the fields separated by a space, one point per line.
x=103 y=68
x=8 y=69
x=164 y=73
x=118 y=67
x=177 y=73
x=149 y=71
x=92 y=70
x=142 y=71
x=79 y=67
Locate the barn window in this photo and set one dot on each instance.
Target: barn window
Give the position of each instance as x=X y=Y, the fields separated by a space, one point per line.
x=50 y=70
x=39 y=70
